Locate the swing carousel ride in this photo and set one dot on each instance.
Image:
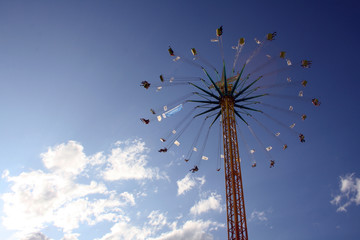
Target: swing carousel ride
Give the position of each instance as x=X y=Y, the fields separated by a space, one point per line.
x=253 y=93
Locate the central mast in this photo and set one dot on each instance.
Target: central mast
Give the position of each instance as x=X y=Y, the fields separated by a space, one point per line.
x=236 y=217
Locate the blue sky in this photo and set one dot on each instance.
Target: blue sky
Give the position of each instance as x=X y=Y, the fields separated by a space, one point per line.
x=77 y=163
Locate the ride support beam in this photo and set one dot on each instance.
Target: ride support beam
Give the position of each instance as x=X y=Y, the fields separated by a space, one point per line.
x=235 y=204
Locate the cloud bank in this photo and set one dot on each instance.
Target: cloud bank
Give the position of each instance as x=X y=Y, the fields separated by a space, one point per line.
x=75 y=189
x=62 y=195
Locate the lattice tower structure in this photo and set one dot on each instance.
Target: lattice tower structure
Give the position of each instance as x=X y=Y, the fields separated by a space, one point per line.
x=235 y=204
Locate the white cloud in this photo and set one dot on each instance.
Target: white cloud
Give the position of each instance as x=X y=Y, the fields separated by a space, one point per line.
x=71 y=236
x=128 y=197
x=66 y=158
x=97 y=159
x=191 y=230
x=349 y=192
x=125 y=231
x=336 y=200
x=157 y=219
x=129 y=162
x=58 y=197
x=256 y=215
x=189 y=182
x=213 y=202
x=153 y=229
x=92 y=212
x=37 y=199
x=5 y=174
x=35 y=236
